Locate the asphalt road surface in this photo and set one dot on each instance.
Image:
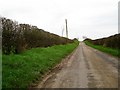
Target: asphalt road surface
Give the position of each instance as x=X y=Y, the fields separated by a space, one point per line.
x=84 y=68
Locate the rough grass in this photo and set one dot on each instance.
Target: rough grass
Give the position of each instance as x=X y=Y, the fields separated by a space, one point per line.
x=114 y=52
x=21 y=70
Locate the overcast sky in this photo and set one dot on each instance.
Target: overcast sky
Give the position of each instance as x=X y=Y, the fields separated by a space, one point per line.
x=91 y=18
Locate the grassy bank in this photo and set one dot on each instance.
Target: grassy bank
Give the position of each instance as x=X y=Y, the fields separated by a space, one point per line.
x=114 y=52
x=21 y=70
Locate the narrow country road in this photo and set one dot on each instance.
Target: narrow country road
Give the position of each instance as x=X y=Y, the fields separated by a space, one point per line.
x=85 y=68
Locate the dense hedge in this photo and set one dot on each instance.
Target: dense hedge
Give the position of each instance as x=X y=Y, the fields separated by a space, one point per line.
x=19 y=37
x=112 y=41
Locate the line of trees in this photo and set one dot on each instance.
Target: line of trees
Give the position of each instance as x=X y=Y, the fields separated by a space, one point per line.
x=18 y=37
x=111 y=41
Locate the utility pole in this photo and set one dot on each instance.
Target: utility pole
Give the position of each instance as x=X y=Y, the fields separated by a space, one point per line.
x=66 y=28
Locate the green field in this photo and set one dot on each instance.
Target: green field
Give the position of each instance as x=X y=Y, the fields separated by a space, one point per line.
x=21 y=70
x=114 y=52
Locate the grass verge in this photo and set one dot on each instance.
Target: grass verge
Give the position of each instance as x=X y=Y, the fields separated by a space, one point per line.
x=21 y=70
x=114 y=52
